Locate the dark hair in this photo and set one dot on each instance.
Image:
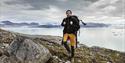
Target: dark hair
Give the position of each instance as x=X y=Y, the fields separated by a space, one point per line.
x=69 y=11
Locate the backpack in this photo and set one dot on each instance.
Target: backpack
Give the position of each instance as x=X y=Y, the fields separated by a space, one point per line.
x=78 y=29
x=78 y=25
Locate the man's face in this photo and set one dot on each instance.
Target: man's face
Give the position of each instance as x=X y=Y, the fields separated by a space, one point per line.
x=68 y=13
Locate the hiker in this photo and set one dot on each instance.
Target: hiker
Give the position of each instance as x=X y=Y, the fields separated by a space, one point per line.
x=71 y=26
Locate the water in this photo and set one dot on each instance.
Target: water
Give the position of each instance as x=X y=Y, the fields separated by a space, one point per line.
x=103 y=37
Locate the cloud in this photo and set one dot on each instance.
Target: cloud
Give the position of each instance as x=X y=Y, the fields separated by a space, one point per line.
x=108 y=7
x=54 y=10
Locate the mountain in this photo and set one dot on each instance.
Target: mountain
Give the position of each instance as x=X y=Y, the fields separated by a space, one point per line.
x=7 y=22
x=12 y=24
x=49 y=25
x=94 y=25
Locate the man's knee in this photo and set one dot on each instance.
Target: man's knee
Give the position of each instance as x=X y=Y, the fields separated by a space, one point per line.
x=73 y=43
x=65 y=38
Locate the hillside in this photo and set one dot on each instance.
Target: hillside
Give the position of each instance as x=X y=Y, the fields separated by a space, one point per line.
x=23 y=48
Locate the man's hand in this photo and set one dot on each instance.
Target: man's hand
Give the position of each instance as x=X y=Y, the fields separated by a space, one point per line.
x=64 y=23
x=71 y=22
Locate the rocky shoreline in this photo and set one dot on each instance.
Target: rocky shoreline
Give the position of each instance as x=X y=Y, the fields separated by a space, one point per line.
x=23 y=48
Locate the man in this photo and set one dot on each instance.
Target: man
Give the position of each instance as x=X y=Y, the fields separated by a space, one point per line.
x=71 y=26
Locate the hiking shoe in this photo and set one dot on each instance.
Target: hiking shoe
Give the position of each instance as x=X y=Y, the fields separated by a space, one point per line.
x=68 y=62
x=69 y=54
x=69 y=58
x=72 y=60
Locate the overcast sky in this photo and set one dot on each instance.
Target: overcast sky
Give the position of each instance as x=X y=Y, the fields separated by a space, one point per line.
x=53 y=11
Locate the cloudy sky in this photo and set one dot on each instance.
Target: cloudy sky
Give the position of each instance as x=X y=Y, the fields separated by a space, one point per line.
x=53 y=11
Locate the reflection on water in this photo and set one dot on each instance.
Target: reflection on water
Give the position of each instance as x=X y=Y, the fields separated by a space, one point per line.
x=103 y=37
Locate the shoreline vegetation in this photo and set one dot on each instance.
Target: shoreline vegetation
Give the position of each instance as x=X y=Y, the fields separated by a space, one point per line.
x=23 y=48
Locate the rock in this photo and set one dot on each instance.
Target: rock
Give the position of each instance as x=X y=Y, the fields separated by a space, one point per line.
x=6 y=37
x=1 y=51
x=24 y=50
x=55 y=59
x=48 y=49
x=79 y=61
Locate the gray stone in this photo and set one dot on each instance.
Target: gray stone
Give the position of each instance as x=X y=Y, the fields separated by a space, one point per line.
x=26 y=51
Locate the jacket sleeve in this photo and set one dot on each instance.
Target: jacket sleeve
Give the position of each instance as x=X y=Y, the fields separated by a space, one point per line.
x=63 y=22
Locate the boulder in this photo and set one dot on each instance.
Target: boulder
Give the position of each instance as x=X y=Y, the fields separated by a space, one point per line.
x=24 y=50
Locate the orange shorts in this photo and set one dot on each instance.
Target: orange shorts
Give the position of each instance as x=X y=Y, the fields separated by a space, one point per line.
x=71 y=37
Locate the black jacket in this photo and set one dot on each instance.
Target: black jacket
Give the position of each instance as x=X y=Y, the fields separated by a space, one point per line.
x=71 y=24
